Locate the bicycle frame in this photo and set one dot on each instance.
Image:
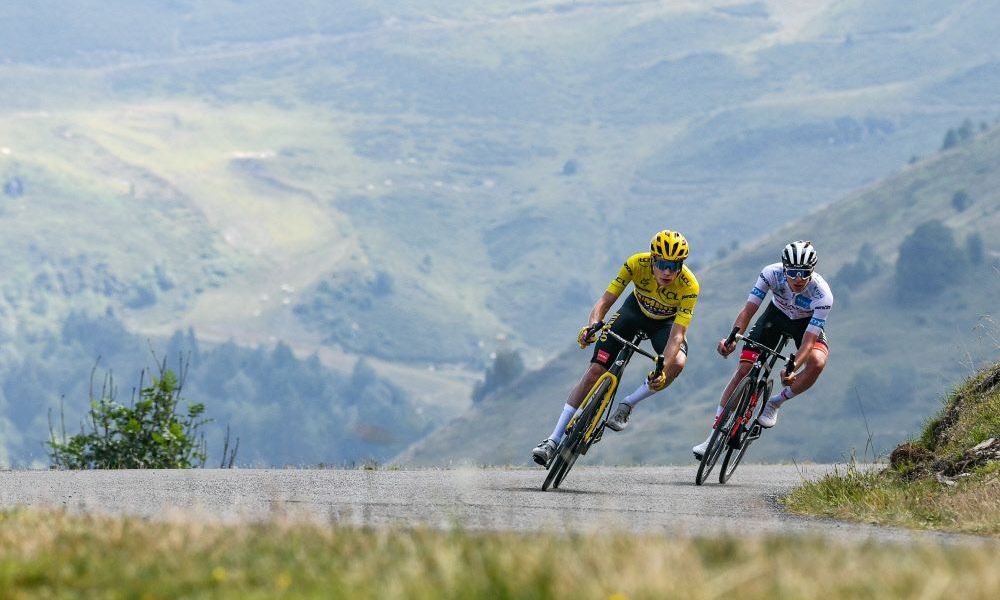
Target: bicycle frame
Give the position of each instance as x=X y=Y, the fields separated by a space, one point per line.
x=759 y=373
x=613 y=373
x=577 y=441
x=737 y=426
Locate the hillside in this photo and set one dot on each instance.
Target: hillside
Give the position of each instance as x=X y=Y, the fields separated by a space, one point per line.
x=944 y=479
x=404 y=183
x=894 y=350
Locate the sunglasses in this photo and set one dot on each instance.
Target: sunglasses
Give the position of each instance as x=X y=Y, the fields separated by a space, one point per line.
x=798 y=273
x=667 y=265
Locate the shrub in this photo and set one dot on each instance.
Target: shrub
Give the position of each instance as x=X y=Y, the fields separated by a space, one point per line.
x=149 y=434
x=961 y=200
x=925 y=254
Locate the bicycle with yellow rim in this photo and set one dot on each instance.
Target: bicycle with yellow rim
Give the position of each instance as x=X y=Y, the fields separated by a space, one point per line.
x=587 y=427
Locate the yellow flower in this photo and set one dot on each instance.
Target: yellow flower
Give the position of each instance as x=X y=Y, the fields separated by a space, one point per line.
x=219 y=574
x=283 y=580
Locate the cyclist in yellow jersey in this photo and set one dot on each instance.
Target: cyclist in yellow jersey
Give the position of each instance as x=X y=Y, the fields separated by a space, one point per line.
x=661 y=304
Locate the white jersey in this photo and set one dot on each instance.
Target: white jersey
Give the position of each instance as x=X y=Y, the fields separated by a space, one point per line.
x=813 y=302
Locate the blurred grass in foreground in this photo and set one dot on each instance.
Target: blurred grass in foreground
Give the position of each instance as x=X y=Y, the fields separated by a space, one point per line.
x=54 y=554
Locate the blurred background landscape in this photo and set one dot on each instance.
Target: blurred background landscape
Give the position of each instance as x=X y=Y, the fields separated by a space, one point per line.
x=372 y=233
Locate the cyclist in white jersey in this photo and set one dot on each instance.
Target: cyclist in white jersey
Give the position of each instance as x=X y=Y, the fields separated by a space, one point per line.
x=800 y=302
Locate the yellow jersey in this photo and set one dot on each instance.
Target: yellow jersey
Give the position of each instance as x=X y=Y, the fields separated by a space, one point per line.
x=675 y=301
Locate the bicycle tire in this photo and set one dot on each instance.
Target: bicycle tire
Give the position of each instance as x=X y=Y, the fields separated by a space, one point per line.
x=764 y=392
x=720 y=436
x=565 y=470
x=561 y=465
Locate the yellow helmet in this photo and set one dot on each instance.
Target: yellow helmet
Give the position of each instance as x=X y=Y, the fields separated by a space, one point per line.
x=670 y=245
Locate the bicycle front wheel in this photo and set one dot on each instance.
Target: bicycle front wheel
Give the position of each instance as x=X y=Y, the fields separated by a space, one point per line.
x=574 y=443
x=735 y=455
x=720 y=437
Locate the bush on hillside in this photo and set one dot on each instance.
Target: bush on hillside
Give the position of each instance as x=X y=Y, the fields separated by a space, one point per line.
x=926 y=257
x=961 y=200
x=507 y=366
x=974 y=248
x=854 y=274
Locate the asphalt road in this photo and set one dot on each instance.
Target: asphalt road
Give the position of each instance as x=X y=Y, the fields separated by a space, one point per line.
x=640 y=499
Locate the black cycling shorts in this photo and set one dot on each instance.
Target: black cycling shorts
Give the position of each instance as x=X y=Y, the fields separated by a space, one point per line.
x=628 y=321
x=769 y=327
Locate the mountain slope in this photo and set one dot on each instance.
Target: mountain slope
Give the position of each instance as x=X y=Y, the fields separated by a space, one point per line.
x=404 y=183
x=895 y=346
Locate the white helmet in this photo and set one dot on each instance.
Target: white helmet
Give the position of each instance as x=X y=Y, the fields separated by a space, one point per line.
x=799 y=255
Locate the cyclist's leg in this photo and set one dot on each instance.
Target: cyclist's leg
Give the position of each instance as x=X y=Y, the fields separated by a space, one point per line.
x=815 y=363
x=605 y=351
x=659 y=332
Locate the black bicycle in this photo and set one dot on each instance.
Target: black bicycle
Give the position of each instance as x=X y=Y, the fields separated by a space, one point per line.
x=737 y=426
x=587 y=427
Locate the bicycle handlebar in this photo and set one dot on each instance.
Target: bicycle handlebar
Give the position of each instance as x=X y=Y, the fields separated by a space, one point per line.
x=735 y=335
x=598 y=326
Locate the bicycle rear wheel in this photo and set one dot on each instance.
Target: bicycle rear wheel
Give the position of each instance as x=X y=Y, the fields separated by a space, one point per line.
x=573 y=444
x=720 y=437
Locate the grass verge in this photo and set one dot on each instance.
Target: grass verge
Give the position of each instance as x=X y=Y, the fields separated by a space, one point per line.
x=946 y=479
x=60 y=555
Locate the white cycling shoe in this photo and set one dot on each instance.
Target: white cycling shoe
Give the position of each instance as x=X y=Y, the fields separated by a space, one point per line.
x=699 y=450
x=768 y=415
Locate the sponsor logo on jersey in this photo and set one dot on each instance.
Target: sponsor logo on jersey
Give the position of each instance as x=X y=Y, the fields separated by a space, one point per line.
x=756 y=292
x=817 y=322
x=603 y=356
x=827 y=307
x=802 y=301
x=653 y=307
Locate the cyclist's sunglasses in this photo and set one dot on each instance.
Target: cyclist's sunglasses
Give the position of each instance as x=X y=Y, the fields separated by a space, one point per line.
x=667 y=265
x=798 y=273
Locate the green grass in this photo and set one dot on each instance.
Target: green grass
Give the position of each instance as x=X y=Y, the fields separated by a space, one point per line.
x=46 y=554
x=911 y=493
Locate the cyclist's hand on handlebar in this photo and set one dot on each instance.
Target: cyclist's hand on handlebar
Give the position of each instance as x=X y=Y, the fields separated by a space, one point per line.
x=725 y=350
x=787 y=378
x=656 y=380
x=588 y=334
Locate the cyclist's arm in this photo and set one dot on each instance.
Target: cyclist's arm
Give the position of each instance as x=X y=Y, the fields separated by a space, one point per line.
x=743 y=319
x=808 y=340
x=601 y=308
x=677 y=332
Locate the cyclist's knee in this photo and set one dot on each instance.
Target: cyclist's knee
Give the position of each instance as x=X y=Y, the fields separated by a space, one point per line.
x=744 y=368
x=594 y=372
x=817 y=361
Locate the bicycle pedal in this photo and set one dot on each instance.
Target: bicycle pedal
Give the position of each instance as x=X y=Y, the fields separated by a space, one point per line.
x=755 y=431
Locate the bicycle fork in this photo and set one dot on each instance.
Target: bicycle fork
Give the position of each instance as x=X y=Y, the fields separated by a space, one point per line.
x=604 y=405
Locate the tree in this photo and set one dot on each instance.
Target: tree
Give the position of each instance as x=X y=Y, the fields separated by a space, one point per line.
x=149 y=434
x=961 y=200
x=927 y=255
x=950 y=140
x=974 y=248
x=507 y=366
